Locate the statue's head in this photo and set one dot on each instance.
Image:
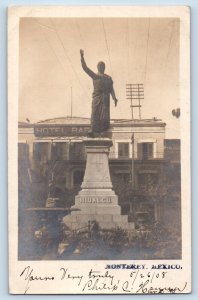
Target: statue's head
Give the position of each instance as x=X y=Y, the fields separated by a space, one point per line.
x=101 y=67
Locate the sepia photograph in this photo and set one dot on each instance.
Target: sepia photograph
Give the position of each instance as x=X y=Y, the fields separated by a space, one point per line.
x=99 y=135
x=99 y=139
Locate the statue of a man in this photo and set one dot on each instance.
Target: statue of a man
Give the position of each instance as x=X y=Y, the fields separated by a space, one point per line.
x=103 y=87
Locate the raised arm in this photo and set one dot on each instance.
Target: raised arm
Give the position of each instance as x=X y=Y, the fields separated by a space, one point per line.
x=84 y=66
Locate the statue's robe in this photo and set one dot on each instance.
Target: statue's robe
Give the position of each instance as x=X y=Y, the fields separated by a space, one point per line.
x=103 y=84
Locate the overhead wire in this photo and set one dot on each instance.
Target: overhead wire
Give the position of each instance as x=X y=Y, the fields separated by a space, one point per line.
x=128 y=50
x=162 y=90
x=128 y=59
x=134 y=56
x=169 y=45
x=83 y=44
x=79 y=32
x=105 y=36
x=133 y=105
x=81 y=38
x=165 y=62
x=147 y=48
x=67 y=57
x=45 y=26
x=42 y=27
x=50 y=46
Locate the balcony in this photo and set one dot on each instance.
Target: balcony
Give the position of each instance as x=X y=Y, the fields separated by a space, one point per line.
x=138 y=156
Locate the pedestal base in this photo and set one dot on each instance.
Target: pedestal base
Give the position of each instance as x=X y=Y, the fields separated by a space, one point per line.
x=97 y=201
x=107 y=221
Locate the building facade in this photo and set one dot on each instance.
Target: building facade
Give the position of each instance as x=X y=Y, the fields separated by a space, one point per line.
x=53 y=150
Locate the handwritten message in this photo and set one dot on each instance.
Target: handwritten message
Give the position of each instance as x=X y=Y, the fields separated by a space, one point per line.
x=137 y=279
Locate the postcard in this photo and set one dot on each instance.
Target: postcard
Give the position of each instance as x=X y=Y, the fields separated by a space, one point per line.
x=99 y=149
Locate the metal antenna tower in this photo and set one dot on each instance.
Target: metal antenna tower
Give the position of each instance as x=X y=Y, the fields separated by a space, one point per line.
x=135 y=93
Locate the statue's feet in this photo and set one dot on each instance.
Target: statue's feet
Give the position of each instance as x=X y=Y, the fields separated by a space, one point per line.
x=90 y=134
x=105 y=134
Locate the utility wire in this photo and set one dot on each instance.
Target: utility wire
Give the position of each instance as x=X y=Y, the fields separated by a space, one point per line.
x=45 y=26
x=169 y=45
x=79 y=32
x=128 y=50
x=107 y=46
x=164 y=67
x=134 y=55
x=68 y=58
x=147 y=47
x=52 y=49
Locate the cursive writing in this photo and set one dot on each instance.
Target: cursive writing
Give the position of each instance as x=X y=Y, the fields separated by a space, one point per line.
x=159 y=290
x=29 y=276
x=67 y=275
x=135 y=281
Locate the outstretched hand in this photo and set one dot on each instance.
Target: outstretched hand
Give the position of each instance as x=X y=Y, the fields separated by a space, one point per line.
x=116 y=101
x=81 y=52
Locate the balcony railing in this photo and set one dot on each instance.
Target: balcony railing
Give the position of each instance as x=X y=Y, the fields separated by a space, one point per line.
x=112 y=156
x=115 y=155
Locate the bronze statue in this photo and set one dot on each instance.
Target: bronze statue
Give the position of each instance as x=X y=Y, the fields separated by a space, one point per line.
x=103 y=87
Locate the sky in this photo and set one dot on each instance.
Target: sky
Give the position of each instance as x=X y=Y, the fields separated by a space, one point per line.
x=135 y=50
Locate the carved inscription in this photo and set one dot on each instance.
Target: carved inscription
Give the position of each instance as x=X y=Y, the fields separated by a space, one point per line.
x=95 y=200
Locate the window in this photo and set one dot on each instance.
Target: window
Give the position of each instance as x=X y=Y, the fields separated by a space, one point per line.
x=77 y=151
x=154 y=178
x=78 y=177
x=126 y=178
x=40 y=151
x=145 y=150
x=60 y=151
x=23 y=151
x=123 y=150
x=148 y=178
x=120 y=176
x=142 y=178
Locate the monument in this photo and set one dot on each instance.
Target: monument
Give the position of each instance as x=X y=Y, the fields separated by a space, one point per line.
x=97 y=200
x=103 y=88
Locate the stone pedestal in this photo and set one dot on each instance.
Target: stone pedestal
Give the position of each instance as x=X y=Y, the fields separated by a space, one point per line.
x=97 y=201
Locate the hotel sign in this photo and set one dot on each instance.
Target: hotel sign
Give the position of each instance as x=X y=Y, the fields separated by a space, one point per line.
x=42 y=130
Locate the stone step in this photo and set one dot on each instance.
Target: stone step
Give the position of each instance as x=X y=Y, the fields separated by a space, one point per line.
x=103 y=225
x=120 y=218
x=94 y=217
x=97 y=209
x=123 y=225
